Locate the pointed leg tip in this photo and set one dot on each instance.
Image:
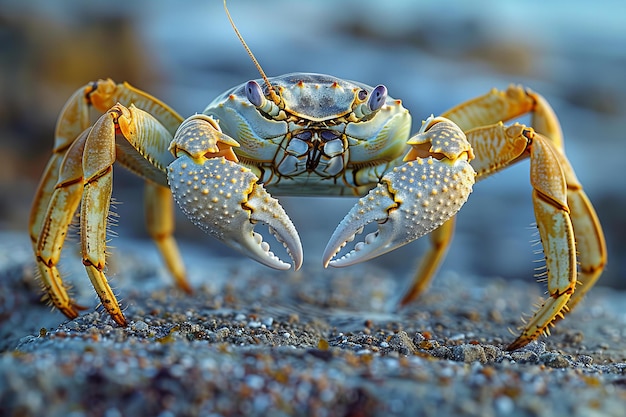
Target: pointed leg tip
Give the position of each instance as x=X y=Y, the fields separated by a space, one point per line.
x=518 y=343
x=119 y=319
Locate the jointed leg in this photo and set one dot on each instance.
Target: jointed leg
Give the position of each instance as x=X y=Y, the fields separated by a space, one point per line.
x=73 y=120
x=485 y=110
x=590 y=243
x=54 y=223
x=567 y=221
x=63 y=183
x=160 y=224
x=440 y=240
x=497 y=146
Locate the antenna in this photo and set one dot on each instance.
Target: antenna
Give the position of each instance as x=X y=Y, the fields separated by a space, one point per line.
x=273 y=95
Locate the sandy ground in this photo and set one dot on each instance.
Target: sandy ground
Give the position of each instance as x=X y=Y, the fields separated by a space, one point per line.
x=251 y=341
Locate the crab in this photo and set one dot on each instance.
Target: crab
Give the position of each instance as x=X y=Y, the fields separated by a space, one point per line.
x=313 y=135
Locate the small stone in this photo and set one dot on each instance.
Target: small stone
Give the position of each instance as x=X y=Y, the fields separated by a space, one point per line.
x=537 y=347
x=469 y=353
x=418 y=338
x=402 y=343
x=441 y=352
x=554 y=360
x=574 y=337
x=72 y=325
x=140 y=326
x=493 y=353
x=525 y=356
x=222 y=333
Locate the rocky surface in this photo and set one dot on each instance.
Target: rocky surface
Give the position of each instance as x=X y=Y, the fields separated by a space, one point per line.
x=257 y=342
x=251 y=341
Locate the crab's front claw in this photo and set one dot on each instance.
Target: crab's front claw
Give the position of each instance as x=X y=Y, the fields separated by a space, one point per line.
x=412 y=200
x=224 y=198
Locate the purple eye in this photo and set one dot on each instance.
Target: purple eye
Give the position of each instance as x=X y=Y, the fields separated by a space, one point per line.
x=362 y=95
x=378 y=96
x=254 y=93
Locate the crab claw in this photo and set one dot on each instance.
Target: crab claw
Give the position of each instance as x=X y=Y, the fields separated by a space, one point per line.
x=224 y=199
x=409 y=202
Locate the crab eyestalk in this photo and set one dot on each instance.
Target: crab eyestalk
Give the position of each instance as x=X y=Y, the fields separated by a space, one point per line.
x=412 y=200
x=375 y=101
x=254 y=94
x=224 y=198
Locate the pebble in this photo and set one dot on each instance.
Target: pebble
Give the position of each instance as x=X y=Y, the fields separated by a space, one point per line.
x=140 y=325
x=469 y=353
x=554 y=360
x=525 y=356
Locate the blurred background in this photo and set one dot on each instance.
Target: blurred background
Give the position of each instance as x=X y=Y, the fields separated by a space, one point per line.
x=432 y=55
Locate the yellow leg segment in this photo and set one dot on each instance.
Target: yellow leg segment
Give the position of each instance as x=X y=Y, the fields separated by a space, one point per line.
x=94 y=214
x=557 y=237
x=590 y=242
x=98 y=160
x=160 y=225
x=440 y=240
x=63 y=203
x=569 y=227
x=147 y=133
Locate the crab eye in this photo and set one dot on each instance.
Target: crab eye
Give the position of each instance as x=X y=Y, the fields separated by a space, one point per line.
x=254 y=93
x=362 y=95
x=377 y=98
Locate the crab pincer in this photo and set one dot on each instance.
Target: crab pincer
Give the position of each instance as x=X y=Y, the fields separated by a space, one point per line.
x=224 y=198
x=413 y=199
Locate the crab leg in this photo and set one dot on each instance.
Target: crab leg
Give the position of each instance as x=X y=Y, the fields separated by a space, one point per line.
x=224 y=198
x=480 y=111
x=64 y=201
x=557 y=236
x=440 y=239
x=590 y=243
x=412 y=200
x=160 y=224
x=147 y=137
x=98 y=162
x=489 y=109
x=74 y=119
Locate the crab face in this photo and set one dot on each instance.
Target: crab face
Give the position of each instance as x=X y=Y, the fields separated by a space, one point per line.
x=320 y=135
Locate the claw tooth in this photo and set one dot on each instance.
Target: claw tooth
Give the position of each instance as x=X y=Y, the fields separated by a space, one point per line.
x=257 y=237
x=370 y=238
x=359 y=246
x=359 y=231
x=350 y=239
x=266 y=247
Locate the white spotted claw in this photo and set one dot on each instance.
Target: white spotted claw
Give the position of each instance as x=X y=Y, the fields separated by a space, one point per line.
x=412 y=200
x=224 y=198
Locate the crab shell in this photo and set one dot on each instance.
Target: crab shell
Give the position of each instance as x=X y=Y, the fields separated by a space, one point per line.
x=320 y=140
